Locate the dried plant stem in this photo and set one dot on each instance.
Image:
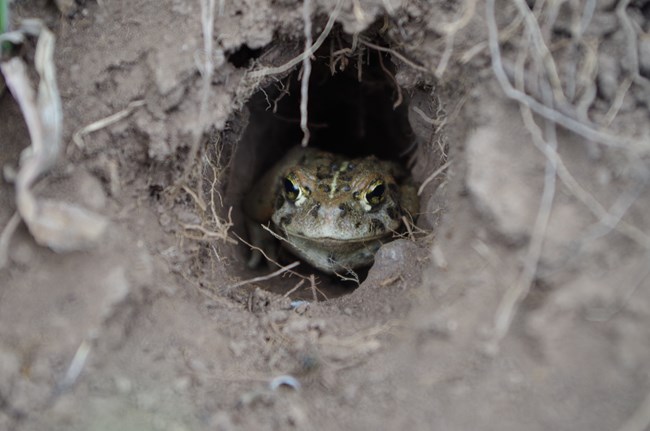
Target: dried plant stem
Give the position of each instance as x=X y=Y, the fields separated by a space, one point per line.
x=266 y=256
x=77 y=137
x=618 y=101
x=433 y=176
x=632 y=60
x=543 y=53
x=264 y=277
x=306 y=72
x=450 y=31
x=399 y=99
x=581 y=128
x=446 y=55
x=76 y=366
x=395 y=54
x=260 y=73
x=207 y=24
x=5 y=238
x=517 y=292
x=294 y=288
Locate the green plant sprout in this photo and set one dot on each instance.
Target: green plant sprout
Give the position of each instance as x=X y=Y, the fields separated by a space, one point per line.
x=4 y=25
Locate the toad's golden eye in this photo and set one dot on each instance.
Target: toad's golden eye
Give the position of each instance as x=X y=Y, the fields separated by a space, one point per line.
x=291 y=189
x=376 y=192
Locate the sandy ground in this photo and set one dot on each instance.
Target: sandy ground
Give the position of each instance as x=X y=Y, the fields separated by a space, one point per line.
x=521 y=301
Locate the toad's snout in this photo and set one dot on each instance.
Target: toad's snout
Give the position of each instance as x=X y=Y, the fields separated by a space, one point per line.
x=332 y=215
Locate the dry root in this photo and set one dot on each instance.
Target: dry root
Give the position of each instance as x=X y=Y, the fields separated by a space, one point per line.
x=560 y=97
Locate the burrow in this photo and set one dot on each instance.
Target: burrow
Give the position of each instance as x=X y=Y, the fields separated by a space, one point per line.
x=362 y=101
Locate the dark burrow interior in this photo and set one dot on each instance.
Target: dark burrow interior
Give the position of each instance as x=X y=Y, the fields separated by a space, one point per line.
x=352 y=111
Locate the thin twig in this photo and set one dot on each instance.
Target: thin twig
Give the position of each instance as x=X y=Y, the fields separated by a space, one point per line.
x=446 y=55
x=392 y=77
x=210 y=234
x=77 y=137
x=517 y=292
x=197 y=199
x=433 y=176
x=294 y=288
x=395 y=54
x=450 y=30
x=5 y=238
x=353 y=275
x=264 y=277
x=504 y=36
x=76 y=366
x=314 y=288
x=275 y=235
x=543 y=53
x=616 y=213
x=312 y=282
x=407 y=225
x=207 y=24
x=266 y=256
x=306 y=73
x=587 y=79
x=632 y=60
x=432 y=121
x=597 y=209
x=585 y=130
x=605 y=218
x=618 y=101
x=260 y=73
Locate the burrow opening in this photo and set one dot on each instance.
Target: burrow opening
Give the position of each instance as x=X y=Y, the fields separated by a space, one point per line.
x=356 y=109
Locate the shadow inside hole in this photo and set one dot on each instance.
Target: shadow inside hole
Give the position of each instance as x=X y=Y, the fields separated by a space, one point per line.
x=243 y=56
x=346 y=115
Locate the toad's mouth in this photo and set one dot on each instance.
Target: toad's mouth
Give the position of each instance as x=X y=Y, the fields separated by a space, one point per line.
x=328 y=240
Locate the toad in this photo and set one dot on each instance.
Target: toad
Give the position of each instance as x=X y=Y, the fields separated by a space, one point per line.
x=332 y=211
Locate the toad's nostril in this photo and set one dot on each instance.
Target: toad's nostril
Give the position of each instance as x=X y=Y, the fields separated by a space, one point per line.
x=344 y=209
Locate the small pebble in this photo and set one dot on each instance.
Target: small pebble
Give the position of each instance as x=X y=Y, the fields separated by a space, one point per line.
x=284 y=380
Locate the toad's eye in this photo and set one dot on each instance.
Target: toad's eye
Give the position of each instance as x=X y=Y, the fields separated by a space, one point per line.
x=291 y=189
x=375 y=194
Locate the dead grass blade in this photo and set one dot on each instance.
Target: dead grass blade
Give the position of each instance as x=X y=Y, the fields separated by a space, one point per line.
x=58 y=225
